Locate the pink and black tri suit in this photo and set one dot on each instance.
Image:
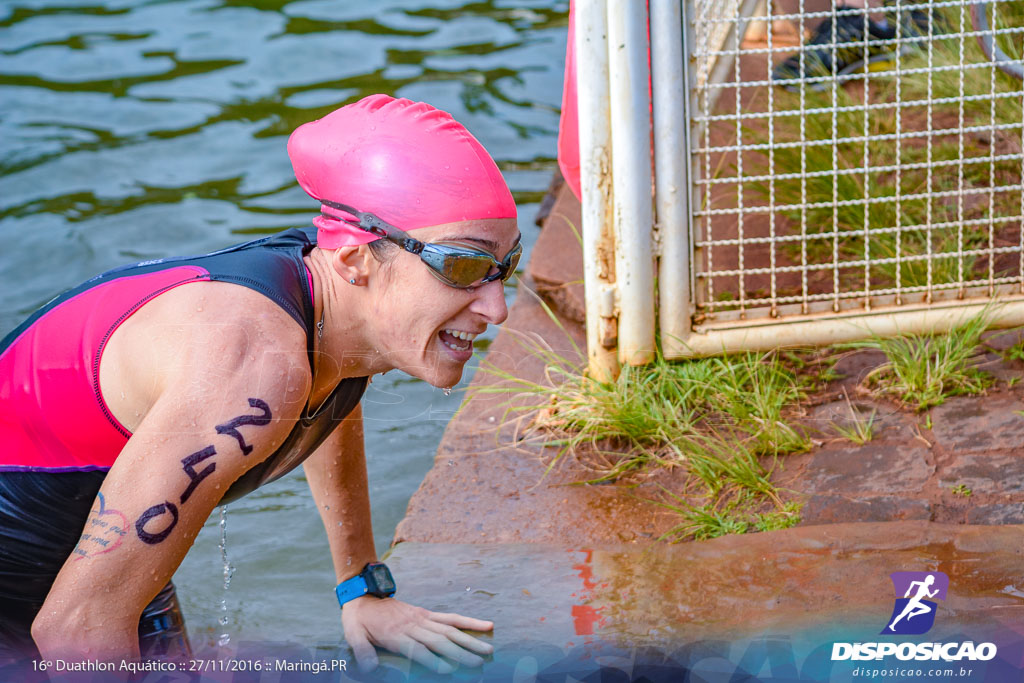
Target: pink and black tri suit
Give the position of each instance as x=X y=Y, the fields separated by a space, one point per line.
x=58 y=439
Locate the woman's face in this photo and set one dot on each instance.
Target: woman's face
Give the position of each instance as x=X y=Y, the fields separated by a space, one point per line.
x=423 y=326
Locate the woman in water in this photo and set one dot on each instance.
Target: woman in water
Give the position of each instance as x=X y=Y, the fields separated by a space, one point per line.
x=131 y=406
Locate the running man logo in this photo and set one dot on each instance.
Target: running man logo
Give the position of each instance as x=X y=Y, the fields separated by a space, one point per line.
x=914 y=613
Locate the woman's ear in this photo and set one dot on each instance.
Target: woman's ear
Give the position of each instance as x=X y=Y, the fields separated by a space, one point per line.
x=353 y=264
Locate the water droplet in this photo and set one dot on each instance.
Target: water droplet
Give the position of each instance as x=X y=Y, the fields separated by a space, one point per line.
x=468 y=589
x=225 y=637
x=327 y=507
x=451 y=463
x=349 y=562
x=447 y=391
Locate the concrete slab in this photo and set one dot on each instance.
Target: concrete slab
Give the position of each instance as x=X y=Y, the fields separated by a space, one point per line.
x=831 y=509
x=966 y=424
x=992 y=473
x=1012 y=513
x=875 y=467
x=556 y=265
x=886 y=422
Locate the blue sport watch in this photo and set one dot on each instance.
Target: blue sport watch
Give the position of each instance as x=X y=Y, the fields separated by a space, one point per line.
x=375 y=579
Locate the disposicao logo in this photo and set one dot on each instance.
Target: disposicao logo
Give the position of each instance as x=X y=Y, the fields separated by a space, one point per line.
x=913 y=614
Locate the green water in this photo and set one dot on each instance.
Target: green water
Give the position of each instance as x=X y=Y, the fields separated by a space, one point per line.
x=139 y=130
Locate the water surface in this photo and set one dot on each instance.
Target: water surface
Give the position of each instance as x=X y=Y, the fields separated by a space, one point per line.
x=136 y=130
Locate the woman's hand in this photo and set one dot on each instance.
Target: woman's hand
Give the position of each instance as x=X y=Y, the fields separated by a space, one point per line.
x=337 y=478
x=419 y=634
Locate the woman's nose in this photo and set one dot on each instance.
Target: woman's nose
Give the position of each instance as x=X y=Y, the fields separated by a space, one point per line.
x=490 y=302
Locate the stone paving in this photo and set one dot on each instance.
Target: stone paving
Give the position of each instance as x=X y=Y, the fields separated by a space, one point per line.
x=910 y=472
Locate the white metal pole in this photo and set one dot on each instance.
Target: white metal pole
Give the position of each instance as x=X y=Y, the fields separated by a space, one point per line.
x=593 y=97
x=631 y=170
x=671 y=159
x=693 y=166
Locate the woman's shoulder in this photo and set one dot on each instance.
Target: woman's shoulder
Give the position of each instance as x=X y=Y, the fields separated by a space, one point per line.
x=243 y=345
x=224 y=302
x=220 y=336
x=223 y=315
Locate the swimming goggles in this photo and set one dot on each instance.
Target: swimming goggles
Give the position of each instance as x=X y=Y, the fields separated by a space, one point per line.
x=454 y=263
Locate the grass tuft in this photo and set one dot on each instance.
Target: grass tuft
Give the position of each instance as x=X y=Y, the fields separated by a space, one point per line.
x=1015 y=352
x=923 y=370
x=738 y=516
x=702 y=523
x=962 y=490
x=661 y=412
x=714 y=417
x=787 y=516
x=860 y=429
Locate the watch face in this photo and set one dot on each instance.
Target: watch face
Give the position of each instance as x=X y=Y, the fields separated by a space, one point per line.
x=381 y=576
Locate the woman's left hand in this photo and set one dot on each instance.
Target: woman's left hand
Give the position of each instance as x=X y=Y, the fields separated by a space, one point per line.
x=419 y=634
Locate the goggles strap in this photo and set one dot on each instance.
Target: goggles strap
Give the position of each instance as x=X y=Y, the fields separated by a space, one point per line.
x=373 y=225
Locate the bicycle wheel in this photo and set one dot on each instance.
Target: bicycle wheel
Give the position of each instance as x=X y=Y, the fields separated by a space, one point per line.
x=984 y=25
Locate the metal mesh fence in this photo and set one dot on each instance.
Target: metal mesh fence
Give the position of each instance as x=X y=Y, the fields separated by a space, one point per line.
x=716 y=25
x=855 y=157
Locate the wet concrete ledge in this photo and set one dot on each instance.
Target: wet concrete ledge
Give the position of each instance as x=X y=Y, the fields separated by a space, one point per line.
x=811 y=586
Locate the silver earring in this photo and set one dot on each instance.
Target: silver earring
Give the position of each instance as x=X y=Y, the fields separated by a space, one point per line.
x=352 y=281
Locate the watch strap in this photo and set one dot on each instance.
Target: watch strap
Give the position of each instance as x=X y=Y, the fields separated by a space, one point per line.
x=350 y=589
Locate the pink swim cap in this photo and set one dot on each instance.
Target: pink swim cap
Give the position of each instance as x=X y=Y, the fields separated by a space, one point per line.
x=407 y=162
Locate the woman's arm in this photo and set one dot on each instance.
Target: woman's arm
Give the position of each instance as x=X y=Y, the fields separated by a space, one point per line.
x=196 y=439
x=336 y=473
x=337 y=479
